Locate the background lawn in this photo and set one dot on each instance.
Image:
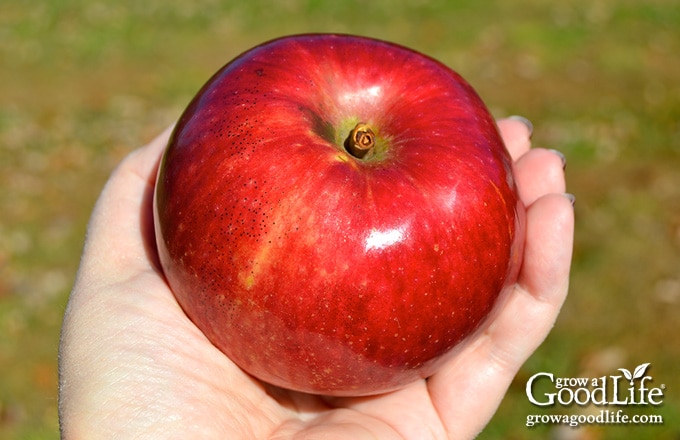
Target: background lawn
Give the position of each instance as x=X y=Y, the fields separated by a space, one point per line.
x=82 y=83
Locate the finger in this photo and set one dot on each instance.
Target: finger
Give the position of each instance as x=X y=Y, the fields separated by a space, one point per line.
x=516 y=132
x=472 y=385
x=117 y=238
x=548 y=251
x=539 y=172
x=144 y=161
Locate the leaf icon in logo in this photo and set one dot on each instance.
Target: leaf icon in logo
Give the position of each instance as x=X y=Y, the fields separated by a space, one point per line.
x=640 y=371
x=627 y=374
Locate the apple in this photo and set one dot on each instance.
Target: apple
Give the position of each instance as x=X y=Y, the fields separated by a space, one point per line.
x=337 y=213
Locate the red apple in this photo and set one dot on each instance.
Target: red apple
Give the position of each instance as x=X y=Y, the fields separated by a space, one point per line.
x=336 y=213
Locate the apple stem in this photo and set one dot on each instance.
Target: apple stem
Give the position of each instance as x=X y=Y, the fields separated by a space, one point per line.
x=361 y=141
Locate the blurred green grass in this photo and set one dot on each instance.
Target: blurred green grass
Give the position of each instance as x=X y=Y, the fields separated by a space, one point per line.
x=82 y=83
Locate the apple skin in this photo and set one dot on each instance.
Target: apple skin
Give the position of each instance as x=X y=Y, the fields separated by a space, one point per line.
x=317 y=271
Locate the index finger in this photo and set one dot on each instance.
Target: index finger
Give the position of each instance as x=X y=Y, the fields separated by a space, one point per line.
x=516 y=132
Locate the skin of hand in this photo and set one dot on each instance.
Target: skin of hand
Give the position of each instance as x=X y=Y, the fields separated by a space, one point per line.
x=132 y=365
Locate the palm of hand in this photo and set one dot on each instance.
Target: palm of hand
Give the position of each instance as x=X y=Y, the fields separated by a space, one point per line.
x=132 y=363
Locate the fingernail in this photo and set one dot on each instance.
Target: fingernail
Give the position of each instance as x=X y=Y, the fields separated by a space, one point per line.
x=524 y=121
x=571 y=197
x=562 y=157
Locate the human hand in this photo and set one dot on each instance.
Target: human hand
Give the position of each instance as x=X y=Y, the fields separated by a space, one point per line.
x=133 y=365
